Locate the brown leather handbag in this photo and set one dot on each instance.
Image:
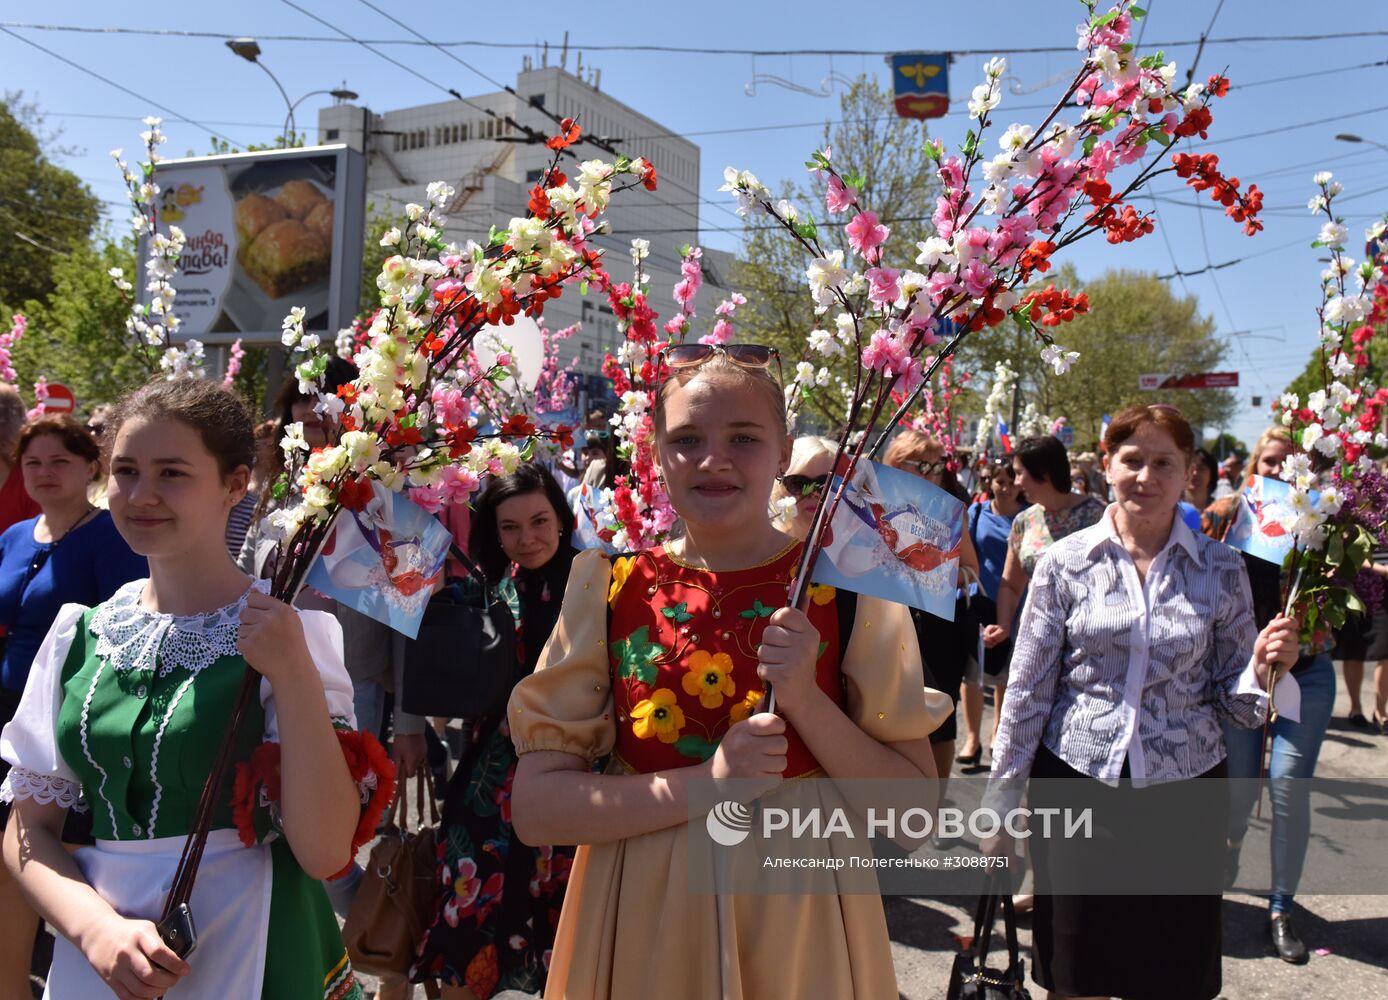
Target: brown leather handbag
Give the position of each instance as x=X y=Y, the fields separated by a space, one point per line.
x=398 y=895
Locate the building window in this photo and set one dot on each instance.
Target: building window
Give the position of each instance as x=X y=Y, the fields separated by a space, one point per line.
x=537 y=100
x=462 y=131
x=332 y=134
x=533 y=176
x=491 y=129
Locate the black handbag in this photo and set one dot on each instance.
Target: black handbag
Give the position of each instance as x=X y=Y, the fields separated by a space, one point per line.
x=463 y=663
x=970 y=978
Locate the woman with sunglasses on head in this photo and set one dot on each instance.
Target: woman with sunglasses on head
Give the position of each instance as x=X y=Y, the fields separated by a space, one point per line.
x=1295 y=745
x=990 y=525
x=660 y=660
x=946 y=646
x=70 y=553
x=126 y=709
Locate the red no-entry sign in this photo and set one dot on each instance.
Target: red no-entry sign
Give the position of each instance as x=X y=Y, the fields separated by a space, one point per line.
x=60 y=399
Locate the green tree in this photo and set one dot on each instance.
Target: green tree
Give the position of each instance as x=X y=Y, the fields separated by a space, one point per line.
x=899 y=184
x=1316 y=374
x=77 y=334
x=1226 y=444
x=46 y=211
x=220 y=147
x=373 y=257
x=1135 y=325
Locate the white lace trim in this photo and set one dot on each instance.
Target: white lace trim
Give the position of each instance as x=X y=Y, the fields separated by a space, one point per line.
x=21 y=783
x=87 y=751
x=130 y=638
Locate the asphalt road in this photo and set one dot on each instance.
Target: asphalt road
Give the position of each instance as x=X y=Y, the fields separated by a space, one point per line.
x=1348 y=934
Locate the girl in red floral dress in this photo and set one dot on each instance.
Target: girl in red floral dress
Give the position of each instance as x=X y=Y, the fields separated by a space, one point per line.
x=661 y=660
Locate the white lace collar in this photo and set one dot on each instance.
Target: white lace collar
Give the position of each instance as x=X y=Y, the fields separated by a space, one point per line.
x=130 y=638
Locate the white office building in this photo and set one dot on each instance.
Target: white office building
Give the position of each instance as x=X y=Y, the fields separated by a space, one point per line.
x=492 y=165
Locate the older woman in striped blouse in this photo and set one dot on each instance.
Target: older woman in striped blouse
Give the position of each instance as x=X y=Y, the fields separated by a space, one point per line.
x=1138 y=637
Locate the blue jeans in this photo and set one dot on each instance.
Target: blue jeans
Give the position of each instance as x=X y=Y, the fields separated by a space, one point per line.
x=368 y=704
x=1295 y=747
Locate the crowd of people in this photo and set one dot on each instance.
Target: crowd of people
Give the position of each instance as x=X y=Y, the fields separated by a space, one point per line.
x=1124 y=647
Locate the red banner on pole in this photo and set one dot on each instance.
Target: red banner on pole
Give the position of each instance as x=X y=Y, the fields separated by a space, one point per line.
x=1200 y=380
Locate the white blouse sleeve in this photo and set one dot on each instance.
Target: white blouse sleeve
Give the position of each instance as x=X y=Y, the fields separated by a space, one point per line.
x=324 y=637
x=29 y=743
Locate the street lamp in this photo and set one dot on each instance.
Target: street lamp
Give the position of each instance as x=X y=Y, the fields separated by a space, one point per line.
x=249 y=50
x=1351 y=137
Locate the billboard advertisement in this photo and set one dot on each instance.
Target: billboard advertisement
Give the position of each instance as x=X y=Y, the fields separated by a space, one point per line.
x=265 y=232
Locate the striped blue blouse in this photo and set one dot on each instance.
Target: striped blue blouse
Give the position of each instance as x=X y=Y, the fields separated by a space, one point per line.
x=1109 y=667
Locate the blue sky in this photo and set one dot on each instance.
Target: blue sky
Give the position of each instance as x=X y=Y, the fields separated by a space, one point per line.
x=1264 y=304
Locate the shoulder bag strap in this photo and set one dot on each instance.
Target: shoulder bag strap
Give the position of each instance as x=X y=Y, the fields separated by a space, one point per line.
x=469 y=565
x=984 y=918
x=1009 y=923
x=182 y=888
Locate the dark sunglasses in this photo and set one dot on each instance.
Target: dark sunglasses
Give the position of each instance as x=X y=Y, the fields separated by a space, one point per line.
x=803 y=486
x=926 y=468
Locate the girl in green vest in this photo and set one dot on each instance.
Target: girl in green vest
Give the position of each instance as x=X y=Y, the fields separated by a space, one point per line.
x=123 y=714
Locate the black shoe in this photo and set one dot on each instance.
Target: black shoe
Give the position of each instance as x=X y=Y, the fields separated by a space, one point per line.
x=1284 y=939
x=970 y=759
x=1358 y=721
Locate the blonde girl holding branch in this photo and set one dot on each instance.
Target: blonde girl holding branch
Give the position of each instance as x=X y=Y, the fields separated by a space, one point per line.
x=660 y=660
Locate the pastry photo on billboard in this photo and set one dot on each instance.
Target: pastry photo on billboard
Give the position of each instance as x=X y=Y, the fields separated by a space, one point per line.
x=266 y=232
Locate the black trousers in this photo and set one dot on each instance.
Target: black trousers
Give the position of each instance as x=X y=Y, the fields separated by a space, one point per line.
x=1137 y=947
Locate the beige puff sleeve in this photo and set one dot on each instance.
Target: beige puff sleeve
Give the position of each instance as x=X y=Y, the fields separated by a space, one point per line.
x=887 y=696
x=566 y=704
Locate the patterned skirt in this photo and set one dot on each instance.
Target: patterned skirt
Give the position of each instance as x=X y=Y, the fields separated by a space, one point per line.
x=500 y=903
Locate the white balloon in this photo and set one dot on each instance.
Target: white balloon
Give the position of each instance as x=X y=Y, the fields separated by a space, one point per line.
x=522 y=339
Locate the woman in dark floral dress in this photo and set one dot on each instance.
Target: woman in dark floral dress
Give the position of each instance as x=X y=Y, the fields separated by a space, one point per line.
x=501 y=899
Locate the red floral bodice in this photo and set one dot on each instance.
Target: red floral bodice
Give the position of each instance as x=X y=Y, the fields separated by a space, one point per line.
x=683 y=650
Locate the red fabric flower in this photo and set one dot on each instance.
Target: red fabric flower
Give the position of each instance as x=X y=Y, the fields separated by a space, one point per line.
x=460 y=440
x=397 y=436
x=355 y=494
x=365 y=758
x=568 y=135
x=518 y=425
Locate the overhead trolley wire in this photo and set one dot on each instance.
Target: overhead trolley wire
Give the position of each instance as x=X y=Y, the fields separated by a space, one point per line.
x=119 y=86
x=684 y=49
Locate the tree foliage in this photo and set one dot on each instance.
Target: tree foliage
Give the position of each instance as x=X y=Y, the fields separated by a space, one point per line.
x=901 y=188
x=46 y=211
x=1135 y=326
x=77 y=334
x=373 y=257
